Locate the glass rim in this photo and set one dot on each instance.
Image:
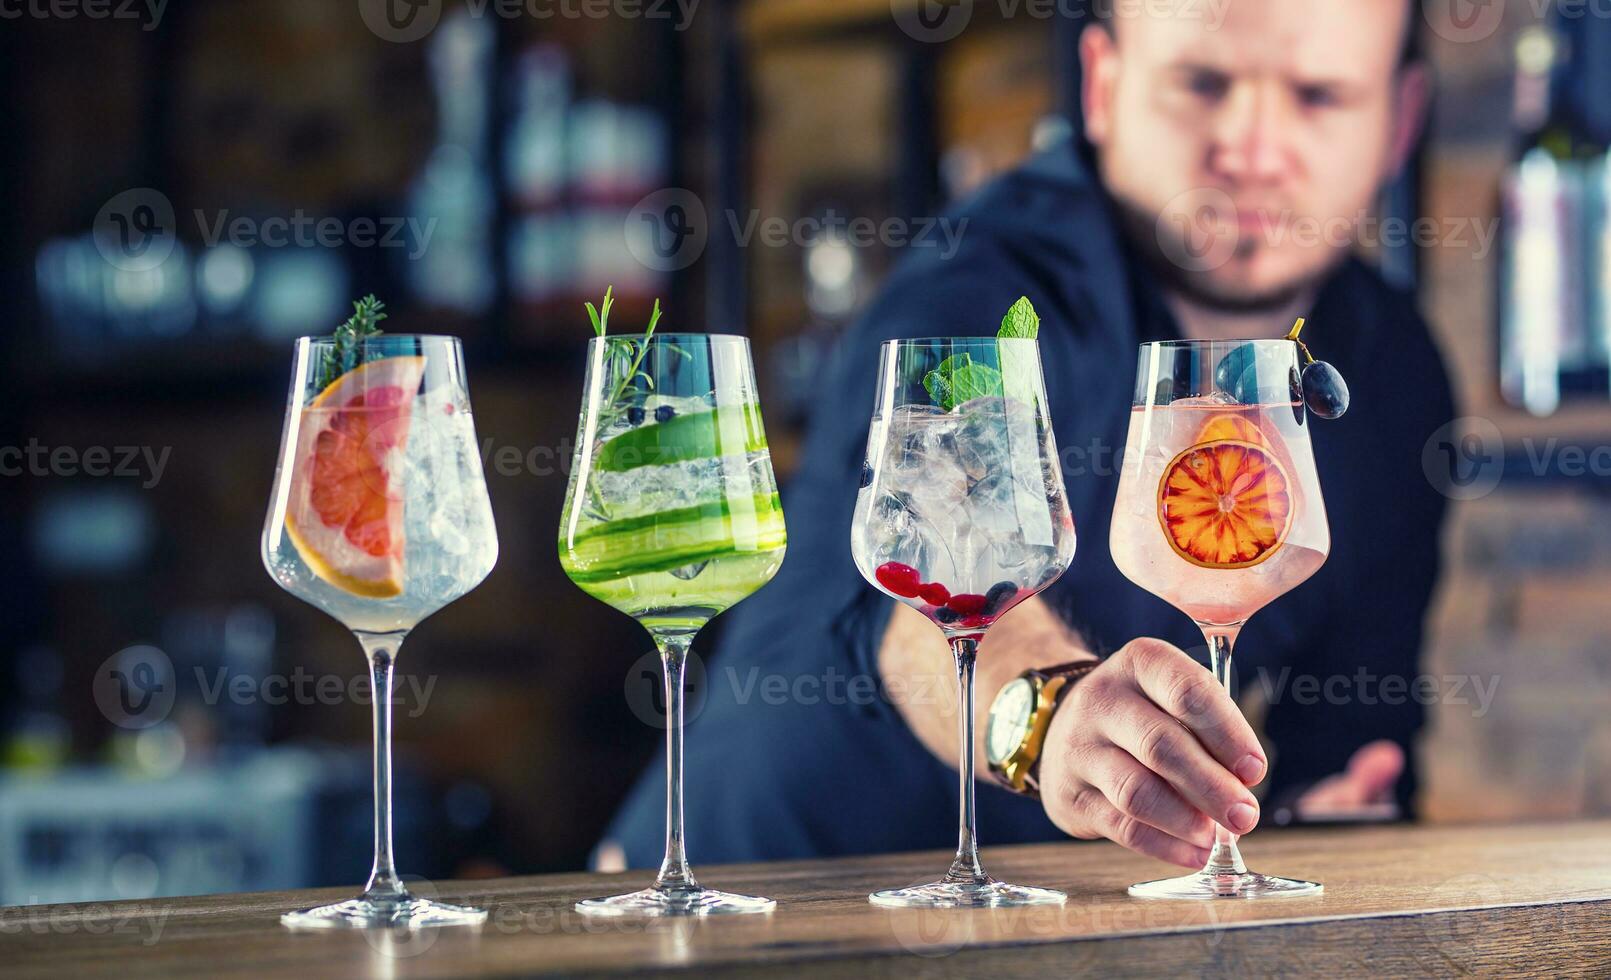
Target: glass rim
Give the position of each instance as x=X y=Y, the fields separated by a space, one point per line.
x=1204 y=344
x=956 y=341
x=313 y=340
x=664 y=334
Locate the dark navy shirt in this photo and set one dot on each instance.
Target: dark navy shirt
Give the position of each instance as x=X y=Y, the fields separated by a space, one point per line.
x=793 y=755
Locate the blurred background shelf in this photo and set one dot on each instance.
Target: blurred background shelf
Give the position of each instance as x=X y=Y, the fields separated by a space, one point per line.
x=528 y=144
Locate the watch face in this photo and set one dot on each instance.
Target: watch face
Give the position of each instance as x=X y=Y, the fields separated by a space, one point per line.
x=1008 y=722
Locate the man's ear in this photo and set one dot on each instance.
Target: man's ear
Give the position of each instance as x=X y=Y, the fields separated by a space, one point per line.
x=1412 y=95
x=1099 y=61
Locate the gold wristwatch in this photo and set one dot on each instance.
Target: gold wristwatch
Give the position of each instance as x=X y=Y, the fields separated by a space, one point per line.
x=1016 y=727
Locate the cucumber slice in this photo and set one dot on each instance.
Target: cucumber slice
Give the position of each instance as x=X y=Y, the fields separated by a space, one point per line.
x=697 y=435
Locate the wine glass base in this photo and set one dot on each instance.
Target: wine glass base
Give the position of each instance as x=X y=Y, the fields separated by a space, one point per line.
x=1205 y=885
x=989 y=894
x=406 y=912
x=656 y=901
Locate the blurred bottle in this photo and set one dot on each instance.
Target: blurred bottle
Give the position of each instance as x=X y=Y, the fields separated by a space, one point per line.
x=39 y=738
x=1554 y=323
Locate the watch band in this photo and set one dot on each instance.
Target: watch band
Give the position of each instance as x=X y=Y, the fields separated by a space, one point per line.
x=1020 y=773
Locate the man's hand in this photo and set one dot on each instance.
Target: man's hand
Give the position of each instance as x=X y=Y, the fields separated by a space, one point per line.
x=1365 y=788
x=1149 y=751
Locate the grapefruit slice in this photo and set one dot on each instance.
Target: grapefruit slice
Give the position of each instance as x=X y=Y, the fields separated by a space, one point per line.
x=1225 y=504
x=345 y=515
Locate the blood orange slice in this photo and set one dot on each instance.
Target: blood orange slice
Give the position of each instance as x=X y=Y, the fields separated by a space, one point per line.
x=1231 y=426
x=1225 y=504
x=345 y=515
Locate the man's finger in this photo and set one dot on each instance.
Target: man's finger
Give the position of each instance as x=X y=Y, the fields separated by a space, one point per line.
x=1136 y=791
x=1139 y=837
x=1186 y=691
x=1165 y=746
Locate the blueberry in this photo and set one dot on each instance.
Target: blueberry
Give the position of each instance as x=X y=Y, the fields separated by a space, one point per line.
x=635 y=415
x=947 y=615
x=1237 y=374
x=998 y=594
x=1324 y=390
x=866 y=474
x=665 y=413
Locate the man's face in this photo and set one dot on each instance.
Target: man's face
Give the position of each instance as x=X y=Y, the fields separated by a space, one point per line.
x=1245 y=139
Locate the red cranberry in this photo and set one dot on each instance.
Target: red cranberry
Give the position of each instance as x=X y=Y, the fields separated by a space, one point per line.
x=967 y=604
x=935 y=594
x=903 y=580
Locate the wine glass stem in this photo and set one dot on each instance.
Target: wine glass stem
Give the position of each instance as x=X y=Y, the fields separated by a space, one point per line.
x=381 y=649
x=966 y=867
x=674 y=872
x=1225 y=858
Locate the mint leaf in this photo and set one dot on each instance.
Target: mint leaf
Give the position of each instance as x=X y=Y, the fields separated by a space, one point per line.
x=1020 y=321
x=958 y=379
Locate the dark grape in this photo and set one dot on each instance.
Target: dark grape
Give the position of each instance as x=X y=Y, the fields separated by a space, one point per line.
x=665 y=413
x=1237 y=374
x=947 y=615
x=1324 y=390
x=635 y=415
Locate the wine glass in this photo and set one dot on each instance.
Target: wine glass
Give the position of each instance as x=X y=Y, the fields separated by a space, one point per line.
x=671 y=516
x=1218 y=513
x=962 y=515
x=379 y=516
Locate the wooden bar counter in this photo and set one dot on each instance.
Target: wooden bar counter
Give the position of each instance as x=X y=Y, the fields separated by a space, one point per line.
x=1417 y=901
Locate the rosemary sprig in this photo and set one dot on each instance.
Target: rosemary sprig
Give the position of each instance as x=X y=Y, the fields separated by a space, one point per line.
x=342 y=355
x=625 y=355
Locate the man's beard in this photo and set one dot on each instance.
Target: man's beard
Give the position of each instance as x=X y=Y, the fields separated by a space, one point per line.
x=1140 y=231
